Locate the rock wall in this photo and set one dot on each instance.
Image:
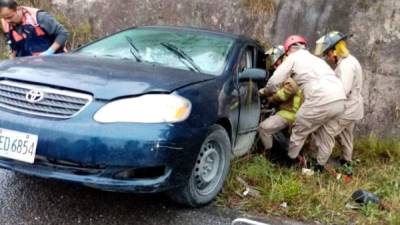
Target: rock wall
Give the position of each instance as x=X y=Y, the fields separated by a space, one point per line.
x=375 y=25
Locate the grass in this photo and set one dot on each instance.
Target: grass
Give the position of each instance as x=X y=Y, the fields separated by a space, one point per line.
x=320 y=197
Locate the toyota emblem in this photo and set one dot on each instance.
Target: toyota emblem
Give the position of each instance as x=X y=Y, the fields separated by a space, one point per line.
x=34 y=96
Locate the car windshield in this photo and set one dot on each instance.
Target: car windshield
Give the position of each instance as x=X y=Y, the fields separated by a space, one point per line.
x=193 y=51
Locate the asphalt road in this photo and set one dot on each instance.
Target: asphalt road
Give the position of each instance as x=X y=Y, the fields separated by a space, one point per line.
x=28 y=200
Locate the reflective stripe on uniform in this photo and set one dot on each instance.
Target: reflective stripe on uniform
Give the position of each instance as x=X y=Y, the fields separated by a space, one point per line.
x=282 y=95
x=289 y=113
x=297 y=100
x=290 y=117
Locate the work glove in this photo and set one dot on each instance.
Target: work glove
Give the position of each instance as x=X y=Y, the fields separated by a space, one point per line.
x=48 y=52
x=270 y=99
x=261 y=92
x=290 y=86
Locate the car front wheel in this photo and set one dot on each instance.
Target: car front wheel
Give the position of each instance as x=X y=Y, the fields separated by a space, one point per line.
x=209 y=172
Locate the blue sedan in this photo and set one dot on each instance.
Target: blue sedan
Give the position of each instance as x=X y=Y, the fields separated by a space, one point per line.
x=144 y=110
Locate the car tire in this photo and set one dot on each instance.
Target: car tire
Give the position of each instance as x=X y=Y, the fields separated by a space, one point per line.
x=209 y=172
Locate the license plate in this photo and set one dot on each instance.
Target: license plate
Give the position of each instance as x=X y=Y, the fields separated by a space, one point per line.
x=18 y=145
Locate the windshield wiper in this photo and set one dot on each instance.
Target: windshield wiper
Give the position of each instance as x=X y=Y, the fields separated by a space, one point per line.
x=182 y=55
x=134 y=50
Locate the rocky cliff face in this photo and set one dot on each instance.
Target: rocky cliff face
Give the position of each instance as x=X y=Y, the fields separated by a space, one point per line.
x=375 y=25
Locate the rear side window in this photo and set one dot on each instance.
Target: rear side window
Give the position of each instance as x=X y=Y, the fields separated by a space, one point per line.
x=247 y=59
x=261 y=60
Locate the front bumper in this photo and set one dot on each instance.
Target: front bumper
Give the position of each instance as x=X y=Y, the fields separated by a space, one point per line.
x=93 y=154
x=102 y=180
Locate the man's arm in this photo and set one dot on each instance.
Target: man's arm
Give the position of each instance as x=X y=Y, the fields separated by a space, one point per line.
x=346 y=74
x=12 y=52
x=281 y=74
x=53 y=28
x=12 y=55
x=286 y=92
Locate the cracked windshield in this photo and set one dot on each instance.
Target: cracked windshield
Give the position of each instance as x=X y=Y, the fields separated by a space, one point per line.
x=187 y=51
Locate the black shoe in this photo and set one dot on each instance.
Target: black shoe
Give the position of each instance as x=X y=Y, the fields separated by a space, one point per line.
x=344 y=162
x=318 y=168
x=311 y=163
x=347 y=167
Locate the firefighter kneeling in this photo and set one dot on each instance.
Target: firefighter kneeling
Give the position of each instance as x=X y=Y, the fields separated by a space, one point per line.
x=288 y=98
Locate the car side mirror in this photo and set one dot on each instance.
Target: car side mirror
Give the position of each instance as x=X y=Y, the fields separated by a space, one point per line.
x=254 y=74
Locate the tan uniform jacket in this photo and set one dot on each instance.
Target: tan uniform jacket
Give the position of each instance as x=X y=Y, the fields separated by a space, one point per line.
x=316 y=79
x=350 y=72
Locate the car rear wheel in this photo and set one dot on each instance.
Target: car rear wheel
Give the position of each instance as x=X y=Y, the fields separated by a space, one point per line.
x=209 y=172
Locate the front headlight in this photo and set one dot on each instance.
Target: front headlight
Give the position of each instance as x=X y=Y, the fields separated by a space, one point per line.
x=151 y=108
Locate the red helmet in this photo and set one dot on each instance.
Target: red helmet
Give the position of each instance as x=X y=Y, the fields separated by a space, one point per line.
x=294 y=39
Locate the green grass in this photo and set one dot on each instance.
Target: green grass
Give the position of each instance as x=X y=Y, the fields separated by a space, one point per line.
x=320 y=197
x=375 y=148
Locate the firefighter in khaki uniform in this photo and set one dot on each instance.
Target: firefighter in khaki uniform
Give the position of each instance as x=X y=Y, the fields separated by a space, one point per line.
x=288 y=97
x=323 y=98
x=348 y=69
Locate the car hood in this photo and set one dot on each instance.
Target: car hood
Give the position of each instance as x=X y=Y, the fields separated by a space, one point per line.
x=103 y=77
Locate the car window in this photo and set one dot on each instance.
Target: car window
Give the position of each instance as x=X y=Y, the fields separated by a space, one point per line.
x=194 y=51
x=261 y=63
x=247 y=59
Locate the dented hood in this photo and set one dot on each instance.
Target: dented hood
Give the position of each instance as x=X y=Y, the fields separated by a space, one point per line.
x=104 y=78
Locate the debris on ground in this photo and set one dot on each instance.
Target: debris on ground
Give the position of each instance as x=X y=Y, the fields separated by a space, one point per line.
x=284 y=205
x=248 y=189
x=346 y=179
x=307 y=172
x=364 y=197
x=338 y=176
x=247 y=222
x=352 y=206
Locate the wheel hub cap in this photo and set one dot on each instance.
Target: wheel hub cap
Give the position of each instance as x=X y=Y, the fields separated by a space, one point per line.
x=207 y=166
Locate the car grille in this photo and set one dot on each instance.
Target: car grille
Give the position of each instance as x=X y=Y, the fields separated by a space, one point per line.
x=41 y=100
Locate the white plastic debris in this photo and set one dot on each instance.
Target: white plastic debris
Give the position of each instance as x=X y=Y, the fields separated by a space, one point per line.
x=247 y=221
x=352 y=206
x=246 y=192
x=249 y=190
x=307 y=172
x=284 y=205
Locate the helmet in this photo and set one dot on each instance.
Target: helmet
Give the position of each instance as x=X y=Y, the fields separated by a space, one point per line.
x=294 y=39
x=328 y=41
x=273 y=55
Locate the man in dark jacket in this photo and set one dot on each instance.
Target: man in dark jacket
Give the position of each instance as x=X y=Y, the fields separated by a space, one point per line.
x=30 y=31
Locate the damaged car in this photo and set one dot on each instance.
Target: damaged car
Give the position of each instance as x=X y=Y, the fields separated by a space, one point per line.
x=144 y=110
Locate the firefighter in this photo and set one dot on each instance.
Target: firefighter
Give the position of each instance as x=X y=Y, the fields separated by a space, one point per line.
x=323 y=98
x=333 y=47
x=288 y=97
x=30 y=31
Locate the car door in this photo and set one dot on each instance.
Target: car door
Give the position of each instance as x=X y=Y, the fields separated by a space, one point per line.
x=249 y=103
